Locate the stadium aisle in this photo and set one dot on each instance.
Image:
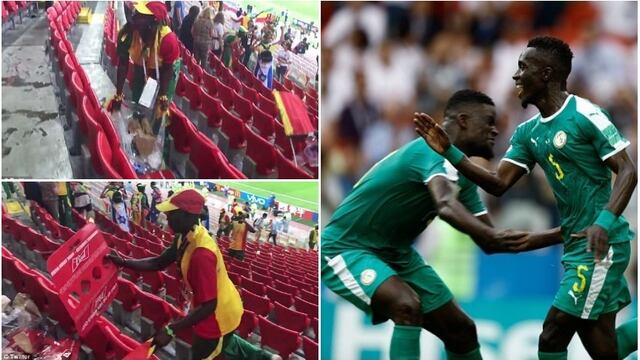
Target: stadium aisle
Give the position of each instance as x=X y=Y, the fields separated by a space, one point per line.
x=32 y=131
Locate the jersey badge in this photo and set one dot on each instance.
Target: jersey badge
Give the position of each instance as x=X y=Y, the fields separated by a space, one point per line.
x=368 y=276
x=560 y=139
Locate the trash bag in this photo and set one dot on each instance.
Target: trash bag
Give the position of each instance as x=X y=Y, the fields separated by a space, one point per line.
x=141 y=137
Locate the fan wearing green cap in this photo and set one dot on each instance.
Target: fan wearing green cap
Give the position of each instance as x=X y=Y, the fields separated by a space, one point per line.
x=230 y=40
x=154 y=49
x=216 y=306
x=139 y=205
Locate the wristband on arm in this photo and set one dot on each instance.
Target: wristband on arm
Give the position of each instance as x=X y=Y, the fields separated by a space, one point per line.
x=454 y=155
x=606 y=219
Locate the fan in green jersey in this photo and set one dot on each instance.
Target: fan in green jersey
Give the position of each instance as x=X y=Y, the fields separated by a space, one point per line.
x=367 y=255
x=576 y=145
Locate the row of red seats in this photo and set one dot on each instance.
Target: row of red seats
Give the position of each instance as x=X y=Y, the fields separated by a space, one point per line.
x=207 y=158
x=12 y=8
x=217 y=101
x=157 y=282
x=105 y=340
x=108 y=158
x=173 y=289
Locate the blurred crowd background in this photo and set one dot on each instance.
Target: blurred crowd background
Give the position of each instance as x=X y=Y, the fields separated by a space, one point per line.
x=381 y=62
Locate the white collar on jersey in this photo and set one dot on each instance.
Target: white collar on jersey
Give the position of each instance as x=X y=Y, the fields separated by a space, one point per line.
x=550 y=117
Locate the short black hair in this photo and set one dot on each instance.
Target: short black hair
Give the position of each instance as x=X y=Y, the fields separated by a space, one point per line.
x=265 y=56
x=466 y=96
x=559 y=53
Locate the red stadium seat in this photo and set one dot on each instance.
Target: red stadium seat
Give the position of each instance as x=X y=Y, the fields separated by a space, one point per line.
x=242 y=106
x=234 y=128
x=291 y=319
x=285 y=287
x=264 y=122
x=267 y=105
x=211 y=108
x=236 y=279
x=249 y=93
x=310 y=348
x=128 y=294
x=306 y=307
x=282 y=297
x=258 y=304
x=248 y=324
x=182 y=131
x=211 y=84
x=225 y=94
x=253 y=286
x=262 y=153
x=154 y=280
x=155 y=309
x=309 y=296
x=104 y=156
x=106 y=342
x=262 y=279
x=276 y=337
x=288 y=170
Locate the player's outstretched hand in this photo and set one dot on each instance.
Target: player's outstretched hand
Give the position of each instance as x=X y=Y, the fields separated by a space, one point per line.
x=432 y=133
x=510 y=241
x=597 y=241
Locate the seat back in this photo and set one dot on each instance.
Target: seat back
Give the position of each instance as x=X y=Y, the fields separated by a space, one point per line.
x=291 y=319
x=276 y=337
x=258 y=304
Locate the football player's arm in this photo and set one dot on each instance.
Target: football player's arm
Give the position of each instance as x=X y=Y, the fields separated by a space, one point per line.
x=535 y=240
x=493 y=182
x=449 y=209
x=625 y=183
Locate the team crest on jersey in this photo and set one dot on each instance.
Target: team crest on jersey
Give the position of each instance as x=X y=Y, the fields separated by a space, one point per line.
x=368 y=276
x=560 y=139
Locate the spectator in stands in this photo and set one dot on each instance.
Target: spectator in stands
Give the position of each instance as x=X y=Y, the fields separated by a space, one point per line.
x=274 y=228
x=187 y=34
x=283 y=60
x=247 y=43
x=156 y=198
x=302 y=47
x=313 y=238
x=177 y=14
x=218 y=34
x=230 y=40
x=148 y=41
x=236 y=21
x=216 y=306
x=50 y=198
x=81 y=199
x=139 y=205
x=33 y=193
x=264 y=69
x=224 y=222
x=204 y=217
x=119 y=212
x=203 y=35
x=239 y=231
x=64 y=203
x=259 y=224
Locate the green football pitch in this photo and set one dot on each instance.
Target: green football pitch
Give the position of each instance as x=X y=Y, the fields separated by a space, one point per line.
x=304 y=10
x=296 y=193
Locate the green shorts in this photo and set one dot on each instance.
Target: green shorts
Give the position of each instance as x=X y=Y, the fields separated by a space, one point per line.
x=587 y=289
x=356 y=274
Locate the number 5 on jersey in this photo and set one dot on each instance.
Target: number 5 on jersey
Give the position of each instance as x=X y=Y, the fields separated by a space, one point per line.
x=559 y=173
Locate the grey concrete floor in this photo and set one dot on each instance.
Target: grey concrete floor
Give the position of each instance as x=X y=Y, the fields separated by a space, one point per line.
x=33 y=144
